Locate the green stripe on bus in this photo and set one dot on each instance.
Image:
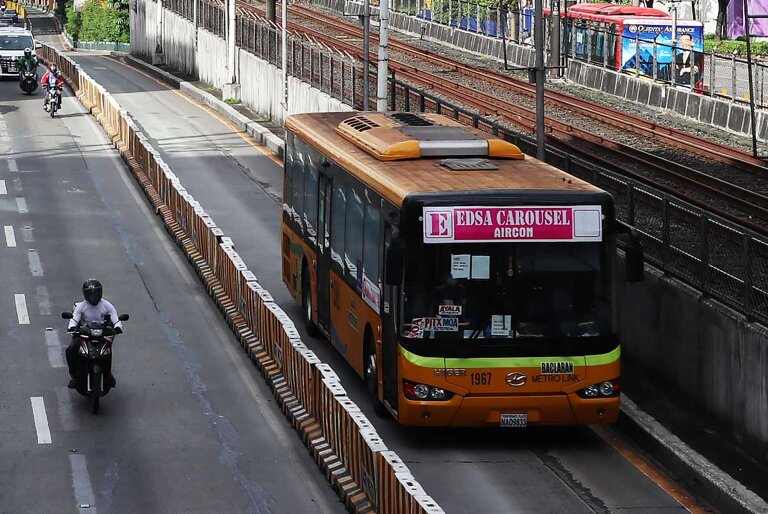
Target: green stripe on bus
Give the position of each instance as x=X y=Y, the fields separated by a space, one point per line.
x=507 y=362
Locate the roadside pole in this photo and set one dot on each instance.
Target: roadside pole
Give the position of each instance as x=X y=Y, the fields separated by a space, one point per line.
x=538 y=38
x=383 y=68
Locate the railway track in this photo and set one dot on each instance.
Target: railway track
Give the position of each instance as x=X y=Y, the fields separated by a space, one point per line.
x=738 y=204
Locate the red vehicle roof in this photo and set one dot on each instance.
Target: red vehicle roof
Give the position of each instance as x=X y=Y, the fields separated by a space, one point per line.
x=615 y=10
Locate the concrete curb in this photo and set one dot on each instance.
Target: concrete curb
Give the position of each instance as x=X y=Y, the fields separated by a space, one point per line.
x=260 y=134
x=690 y=467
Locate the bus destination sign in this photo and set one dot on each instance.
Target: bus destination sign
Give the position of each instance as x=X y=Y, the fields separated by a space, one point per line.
x=571 y=223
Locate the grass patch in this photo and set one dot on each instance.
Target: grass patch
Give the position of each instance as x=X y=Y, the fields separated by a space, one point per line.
x=232 y=101
x=734 y=46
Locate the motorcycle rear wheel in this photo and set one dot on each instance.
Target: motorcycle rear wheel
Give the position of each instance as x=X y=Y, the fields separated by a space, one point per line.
x=95 y=392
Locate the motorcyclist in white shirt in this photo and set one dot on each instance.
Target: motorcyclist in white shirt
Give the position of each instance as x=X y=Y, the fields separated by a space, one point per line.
x=93 y=309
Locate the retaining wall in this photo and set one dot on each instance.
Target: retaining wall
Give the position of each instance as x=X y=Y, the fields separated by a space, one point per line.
x=704 y=353
x=205 y=57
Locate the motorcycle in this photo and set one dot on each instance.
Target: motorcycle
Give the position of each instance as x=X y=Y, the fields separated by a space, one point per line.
x=95 y=348
x=28 y=78
x=54 y=100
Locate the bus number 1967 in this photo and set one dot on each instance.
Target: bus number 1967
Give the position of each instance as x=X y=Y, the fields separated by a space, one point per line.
x=480 y=378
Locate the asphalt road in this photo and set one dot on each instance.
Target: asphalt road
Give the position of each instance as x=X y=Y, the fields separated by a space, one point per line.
x=191 y=426
x=467 y=471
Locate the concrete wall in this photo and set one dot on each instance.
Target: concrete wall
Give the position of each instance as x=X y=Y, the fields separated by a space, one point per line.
x=179 y=43
x=265 y=94
x=261 y=83
x=706 y=354
x=212 y=60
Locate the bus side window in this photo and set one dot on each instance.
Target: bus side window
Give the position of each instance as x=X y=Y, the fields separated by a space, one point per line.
x=297 y=196
x=354 y=237
x=289 y=164
x=311 y=163
x=338 y=212
x=372 y=244
x=612 y=36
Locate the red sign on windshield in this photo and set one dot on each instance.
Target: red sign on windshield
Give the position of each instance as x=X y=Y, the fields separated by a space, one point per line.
x=576 y=223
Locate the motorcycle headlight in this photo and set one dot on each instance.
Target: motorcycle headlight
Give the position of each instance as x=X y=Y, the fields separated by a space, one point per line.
x=97 y=332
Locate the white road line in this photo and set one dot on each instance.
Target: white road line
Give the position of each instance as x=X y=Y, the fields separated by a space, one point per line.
x=21 y=205
x=81 y=483
x=52 y=341
x=26 y=234
x=10 y=237
x=21 y=309
x=43 y=300
x=3 y=189
x=35 y=266
x=69 y=422
x=12 y=166
x=17 y=185
x=41 y=420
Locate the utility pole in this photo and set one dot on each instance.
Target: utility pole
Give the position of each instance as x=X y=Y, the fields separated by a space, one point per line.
x=232 y=88
x=272 y=11
x=366 y=55
x=284 y=36
x=554 y=54
x=383 y=68
x=158 y=57
x=538 y=40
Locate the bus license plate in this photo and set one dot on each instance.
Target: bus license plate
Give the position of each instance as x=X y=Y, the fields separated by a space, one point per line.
x=514 y=420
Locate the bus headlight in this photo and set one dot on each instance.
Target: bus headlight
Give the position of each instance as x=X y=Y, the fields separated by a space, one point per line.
x=436 y=393
x=604 y=389
x=423 y=392
x=591 y=391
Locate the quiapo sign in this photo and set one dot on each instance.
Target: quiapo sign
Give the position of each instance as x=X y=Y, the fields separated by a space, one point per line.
x=572 y=223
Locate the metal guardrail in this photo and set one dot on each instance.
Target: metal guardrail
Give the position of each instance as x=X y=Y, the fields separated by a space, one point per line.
x=724 y=76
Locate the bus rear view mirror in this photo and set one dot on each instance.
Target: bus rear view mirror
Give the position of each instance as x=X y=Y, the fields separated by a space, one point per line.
x=394 y=263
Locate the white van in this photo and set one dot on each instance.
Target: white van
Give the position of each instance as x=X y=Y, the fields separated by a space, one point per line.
x=13 y=41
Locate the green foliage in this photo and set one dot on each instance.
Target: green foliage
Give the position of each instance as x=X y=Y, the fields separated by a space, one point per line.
x=733 y=46
x=99 y=20
x=73 y=20
x=232 y=101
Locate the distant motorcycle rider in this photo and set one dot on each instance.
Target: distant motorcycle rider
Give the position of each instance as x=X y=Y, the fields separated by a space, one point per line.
x=28 y=57
x=52 y=78
x=93 y=309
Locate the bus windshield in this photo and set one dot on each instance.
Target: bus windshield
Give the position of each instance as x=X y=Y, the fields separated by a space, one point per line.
x=534 y=293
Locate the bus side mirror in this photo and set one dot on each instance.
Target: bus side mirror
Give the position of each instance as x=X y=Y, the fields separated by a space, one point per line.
x=394 y=262
x=634 y=258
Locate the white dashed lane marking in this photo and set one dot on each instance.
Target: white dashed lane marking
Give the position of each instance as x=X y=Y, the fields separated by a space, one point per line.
x=41 y=420
x=35 y=266
x=53 y=343
x=21 y=309
x=10 y=237
x=3 y=189
x=21 y=205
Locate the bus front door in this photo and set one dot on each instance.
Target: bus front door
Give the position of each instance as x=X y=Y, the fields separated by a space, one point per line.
x=324 y=252
x=389 y=332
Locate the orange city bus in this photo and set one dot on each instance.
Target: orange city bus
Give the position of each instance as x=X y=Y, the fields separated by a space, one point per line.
x=468 y=284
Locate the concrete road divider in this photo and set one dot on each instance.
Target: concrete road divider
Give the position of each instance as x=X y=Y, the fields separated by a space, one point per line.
x=346 y=446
